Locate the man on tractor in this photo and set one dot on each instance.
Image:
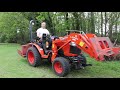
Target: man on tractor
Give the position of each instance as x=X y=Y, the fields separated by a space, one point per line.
x=42 y=33
x=42 y=30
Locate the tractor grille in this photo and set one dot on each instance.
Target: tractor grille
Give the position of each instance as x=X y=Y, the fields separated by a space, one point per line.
x=75 y=50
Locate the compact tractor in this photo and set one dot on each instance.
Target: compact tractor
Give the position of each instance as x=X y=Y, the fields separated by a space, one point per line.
x=65 y=53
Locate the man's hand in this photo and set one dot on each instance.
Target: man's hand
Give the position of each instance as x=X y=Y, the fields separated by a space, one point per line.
x=39 y=36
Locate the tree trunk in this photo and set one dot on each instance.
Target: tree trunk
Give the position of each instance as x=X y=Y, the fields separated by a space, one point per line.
x=75 y=14
x=112 y=21
x=116 y=21
x=83 y=23
x=88 y=23
x=92 y=23
x=105 y=22
x=101 y=24
x=66 y=19
x=110 y=31
x=51 y=25
x=116 y=27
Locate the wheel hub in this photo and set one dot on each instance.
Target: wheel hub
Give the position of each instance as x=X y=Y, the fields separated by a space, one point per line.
x=31 y=57
x=58 y=67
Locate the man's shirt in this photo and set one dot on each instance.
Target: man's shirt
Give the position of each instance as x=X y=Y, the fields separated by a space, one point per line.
x=42 y=31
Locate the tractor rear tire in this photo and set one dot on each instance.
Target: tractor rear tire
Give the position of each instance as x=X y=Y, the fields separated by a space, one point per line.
x=33 y=57
x=61 y=66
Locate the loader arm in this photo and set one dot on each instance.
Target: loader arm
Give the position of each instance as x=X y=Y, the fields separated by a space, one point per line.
x=85 y=45
x=98 y=47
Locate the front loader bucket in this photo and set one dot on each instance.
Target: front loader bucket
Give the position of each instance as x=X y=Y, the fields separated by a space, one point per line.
x=104 y=49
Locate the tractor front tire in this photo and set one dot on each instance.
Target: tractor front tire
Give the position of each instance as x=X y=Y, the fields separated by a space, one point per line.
x=33 y=57
x=61 y=66
x=84 y=62
x=49 y=58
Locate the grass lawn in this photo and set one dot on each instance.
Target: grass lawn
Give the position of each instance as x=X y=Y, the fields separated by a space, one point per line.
x=14 y=66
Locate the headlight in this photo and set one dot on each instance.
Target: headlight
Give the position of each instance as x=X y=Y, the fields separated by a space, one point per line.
x=73 y=44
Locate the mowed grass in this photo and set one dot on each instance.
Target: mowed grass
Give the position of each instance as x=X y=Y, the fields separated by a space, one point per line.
x=14 y=66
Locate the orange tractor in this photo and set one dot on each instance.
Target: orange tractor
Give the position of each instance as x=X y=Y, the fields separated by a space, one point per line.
x=65 y=53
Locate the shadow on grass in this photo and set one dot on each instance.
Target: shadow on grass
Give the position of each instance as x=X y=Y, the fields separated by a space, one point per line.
x=73 y=73
x=44 y=63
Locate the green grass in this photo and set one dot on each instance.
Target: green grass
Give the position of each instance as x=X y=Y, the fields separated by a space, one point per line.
x=14 y=66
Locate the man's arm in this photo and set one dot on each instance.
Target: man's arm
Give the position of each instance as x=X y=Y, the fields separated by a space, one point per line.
x=38 y=34
x=48 y=33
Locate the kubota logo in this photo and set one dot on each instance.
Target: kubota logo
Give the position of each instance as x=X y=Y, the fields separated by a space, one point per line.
x=74 y=37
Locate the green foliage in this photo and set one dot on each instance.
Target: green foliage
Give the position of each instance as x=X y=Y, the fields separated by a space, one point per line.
x=9 y=23
x=102 y=23
x=3 y=38
x=116 y=36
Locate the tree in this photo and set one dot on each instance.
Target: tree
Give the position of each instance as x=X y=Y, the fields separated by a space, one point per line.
x=77 y=26
x=10 y=22
x=92 y=23
x=101 y=24
x=105 y=22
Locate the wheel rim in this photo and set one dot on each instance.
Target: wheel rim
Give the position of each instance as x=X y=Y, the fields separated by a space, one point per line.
x=58 y=67
x=31 y=57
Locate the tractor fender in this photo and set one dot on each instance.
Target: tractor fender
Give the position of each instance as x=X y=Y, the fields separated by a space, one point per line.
x=40 y=50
